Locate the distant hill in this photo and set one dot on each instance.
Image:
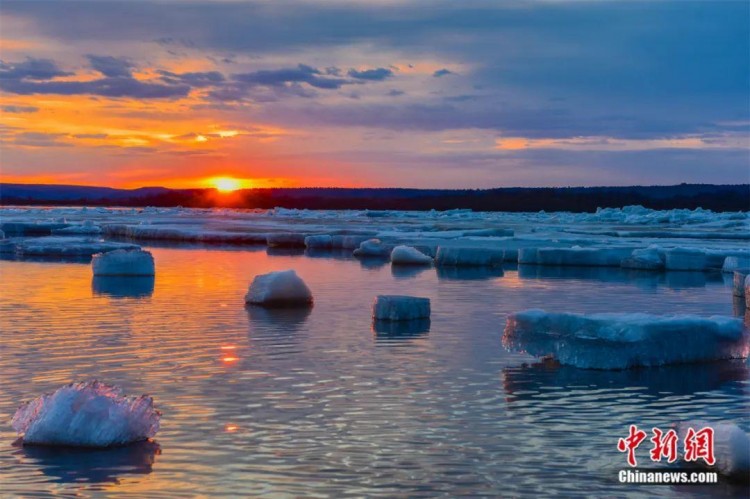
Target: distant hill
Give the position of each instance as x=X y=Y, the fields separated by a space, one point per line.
x=577 y=199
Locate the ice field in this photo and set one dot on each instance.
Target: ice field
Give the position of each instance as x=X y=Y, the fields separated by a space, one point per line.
x=351 y=396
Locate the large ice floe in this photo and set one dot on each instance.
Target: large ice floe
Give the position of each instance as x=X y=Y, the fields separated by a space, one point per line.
x=123 y=262
x=89 y=414
x=469 y=257
x=621 y=341
x=279 y=289
x=409 y=255
x=62 y=246
x=400 y=308
x=731 y=448
x=644 y=259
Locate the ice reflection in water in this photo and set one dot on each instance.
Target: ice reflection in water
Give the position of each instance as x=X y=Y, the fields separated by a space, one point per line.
x=322 y=401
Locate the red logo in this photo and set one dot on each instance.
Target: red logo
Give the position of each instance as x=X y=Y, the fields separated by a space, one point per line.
x=631 y=443
x=698 y=445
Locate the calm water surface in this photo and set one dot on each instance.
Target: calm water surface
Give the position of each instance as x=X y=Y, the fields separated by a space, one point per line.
x=317 y=403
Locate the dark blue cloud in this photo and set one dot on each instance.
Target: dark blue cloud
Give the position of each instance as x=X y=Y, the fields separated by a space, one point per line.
x=377 y=74
x=281 y=77
x=113 y=67
x=442 y=72
x=31 y=69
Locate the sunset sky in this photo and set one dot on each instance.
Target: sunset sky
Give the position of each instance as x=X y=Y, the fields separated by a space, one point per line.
x=376 y=93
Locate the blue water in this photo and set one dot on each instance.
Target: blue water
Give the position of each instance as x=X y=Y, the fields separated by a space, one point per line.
x=317 y=402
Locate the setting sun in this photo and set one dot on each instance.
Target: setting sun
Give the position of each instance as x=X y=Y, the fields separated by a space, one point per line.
x=226 y=184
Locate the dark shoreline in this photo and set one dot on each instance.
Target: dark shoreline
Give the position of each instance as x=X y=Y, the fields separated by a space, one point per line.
x=513 y=199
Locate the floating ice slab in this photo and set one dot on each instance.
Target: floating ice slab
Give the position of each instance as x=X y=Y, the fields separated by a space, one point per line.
x=347 y=241
x=31 y=228
x=320 y=241
x=86 y=228
x=644 y=259
x=373 y=247
x=408 y=255
x=732 y=263
x=279 y=289
x=469 y=257
x=585 y=257
x=400 y=308
x=286 y=240
x=183 y=235
x=67 y=246
x=124 y=262
x=685 y=259
x=621 y=341
x=89 y=414
x=731 y=447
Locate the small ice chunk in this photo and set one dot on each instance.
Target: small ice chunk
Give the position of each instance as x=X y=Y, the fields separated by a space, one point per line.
x=373 y=247
x=621 y=341
x=90 y=414
x=469 y=257
x=732 y=263
x=644 y=259
x=279 y=289
x=685 y=259
x=319 y=241
x=400 y=308
x=286 y=240
x=130 y=262
x=738 y=282
x=408 y=255
x=731 y=447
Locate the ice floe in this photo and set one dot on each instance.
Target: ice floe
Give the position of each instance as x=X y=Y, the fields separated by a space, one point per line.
x=86 y=228
x=279 y=289
x=123 y=262
x=621 y=341
x=373 y=248
x=400 y=308
x=408 y=255
x=90 y=414
x=685 y=259
x=319 y=241
x=732 y=263
x=67 y=246
x=644 y=259
x=731 y=447
x=469 y=257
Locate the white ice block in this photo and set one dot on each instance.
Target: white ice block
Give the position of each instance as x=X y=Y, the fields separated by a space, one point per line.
x=400 y=308
x=621 y=341
x=408 y=255
x=279 y=289
x=124 y=262
x=90 y=414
